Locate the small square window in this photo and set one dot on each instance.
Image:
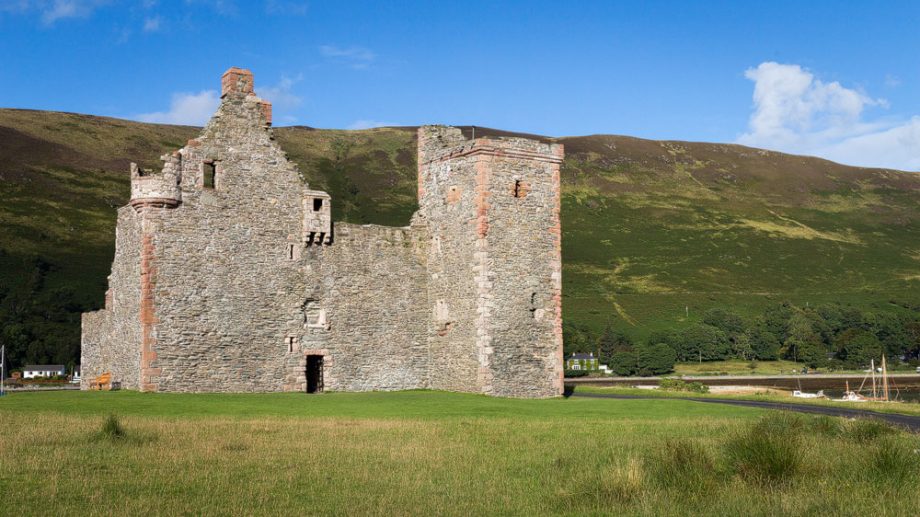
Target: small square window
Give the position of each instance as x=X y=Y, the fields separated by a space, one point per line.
x=317 y=204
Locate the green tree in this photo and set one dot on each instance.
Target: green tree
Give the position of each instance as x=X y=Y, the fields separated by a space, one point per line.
x=764 y=344
x=701 y=342
x=655 y=359
x=611 y=342
x=804 y=343
x=623 y=363
x=856 y=347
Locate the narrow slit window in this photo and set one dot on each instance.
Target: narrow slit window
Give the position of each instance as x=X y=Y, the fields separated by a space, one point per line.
x=317 y=204
x=291 y=251
x=290 y=341
x=517 y=188
x=210 y=171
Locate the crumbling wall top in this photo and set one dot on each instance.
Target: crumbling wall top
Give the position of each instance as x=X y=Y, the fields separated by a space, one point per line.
x=438 y=143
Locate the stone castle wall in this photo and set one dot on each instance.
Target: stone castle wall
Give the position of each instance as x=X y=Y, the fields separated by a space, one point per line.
x=111 y=336
x=492 y=206
x=371 y=284
x=229 y=272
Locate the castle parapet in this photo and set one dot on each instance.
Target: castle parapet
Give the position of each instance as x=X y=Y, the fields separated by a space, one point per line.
x=440 y=143
x=157 y=189
x=317 y=217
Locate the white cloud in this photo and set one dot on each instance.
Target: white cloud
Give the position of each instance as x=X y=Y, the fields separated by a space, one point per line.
x=358 y=58
x=280 y=94
x=286 y=8
x=62 y=9
x=189 y=109
x=152 y=24
x=368 y=124
x=796 y=112
x=282 y=98
x=50 y=11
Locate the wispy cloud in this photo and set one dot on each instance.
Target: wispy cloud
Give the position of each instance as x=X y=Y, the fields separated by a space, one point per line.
x=358 y=58
x=52 y=11
x=152 y=24
x=798 y=113
x=282 y=97
x=281 y=8
x=222 y=7
x=368 y=124
x=190 y=109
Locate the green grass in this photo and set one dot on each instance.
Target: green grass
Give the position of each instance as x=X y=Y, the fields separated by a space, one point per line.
x=424 y=453
x=738 y=367
x=905 y=408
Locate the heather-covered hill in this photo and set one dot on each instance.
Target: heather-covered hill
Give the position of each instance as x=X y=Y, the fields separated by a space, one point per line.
x=654 y=232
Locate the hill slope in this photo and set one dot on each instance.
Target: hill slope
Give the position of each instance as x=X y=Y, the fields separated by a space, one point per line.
x=654 y=232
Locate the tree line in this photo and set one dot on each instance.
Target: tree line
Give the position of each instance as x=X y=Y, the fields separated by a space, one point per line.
x=830 y=335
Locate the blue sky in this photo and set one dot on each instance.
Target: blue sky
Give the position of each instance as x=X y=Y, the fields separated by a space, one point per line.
x=834 y=79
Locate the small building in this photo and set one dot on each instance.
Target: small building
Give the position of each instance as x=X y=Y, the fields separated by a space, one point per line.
x=582 y=361
x=75 y=378
x=41 y=371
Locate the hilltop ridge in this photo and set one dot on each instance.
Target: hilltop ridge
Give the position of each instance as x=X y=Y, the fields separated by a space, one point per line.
x=655 y=232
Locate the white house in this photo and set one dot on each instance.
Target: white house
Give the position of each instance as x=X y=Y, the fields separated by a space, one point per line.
x=33 y=371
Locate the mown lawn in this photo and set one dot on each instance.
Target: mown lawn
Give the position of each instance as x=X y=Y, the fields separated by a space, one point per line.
x=424 y=453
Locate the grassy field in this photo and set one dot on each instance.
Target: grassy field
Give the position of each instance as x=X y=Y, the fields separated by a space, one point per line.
x=738 y=367
x=424 y=453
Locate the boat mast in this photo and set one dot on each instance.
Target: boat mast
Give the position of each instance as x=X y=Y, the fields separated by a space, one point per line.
x=874 y=389
x=885 y=378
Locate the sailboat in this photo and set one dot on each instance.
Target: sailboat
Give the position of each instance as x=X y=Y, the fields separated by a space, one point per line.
x=879 y=394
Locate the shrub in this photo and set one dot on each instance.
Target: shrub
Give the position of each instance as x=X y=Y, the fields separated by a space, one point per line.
x=893 y=463
x=655 y=359
x=767 y=452
x=674 y=384
x=624 y=483
x=576 y=373
x=865 y=430
x=112 y=429
x=683 y=464
x=623 y=363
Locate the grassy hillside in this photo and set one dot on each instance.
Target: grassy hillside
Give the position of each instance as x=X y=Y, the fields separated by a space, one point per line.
x=430 y=453
x=654 y=232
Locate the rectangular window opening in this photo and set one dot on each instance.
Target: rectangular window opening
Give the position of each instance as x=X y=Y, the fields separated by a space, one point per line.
x=317 y=204
x=290 y=341
x=210 y=171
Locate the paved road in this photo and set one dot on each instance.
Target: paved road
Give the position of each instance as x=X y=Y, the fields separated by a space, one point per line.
x=907 y=421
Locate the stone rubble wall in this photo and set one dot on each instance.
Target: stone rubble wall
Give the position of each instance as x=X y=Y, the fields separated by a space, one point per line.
x=371 y=284
x=229 y=281
x=453 y=265
x=111 y=336
x=492 y=206
x=524 y=286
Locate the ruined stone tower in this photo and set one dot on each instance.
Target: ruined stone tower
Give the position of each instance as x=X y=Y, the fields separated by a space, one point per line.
x=229 y=274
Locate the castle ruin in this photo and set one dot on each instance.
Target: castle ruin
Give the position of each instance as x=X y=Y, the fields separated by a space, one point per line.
x=230 y=276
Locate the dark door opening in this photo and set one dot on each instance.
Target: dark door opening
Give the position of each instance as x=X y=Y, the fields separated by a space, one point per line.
x=314 y=374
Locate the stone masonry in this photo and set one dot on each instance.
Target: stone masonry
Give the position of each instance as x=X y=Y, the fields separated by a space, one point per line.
x=230 y=276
